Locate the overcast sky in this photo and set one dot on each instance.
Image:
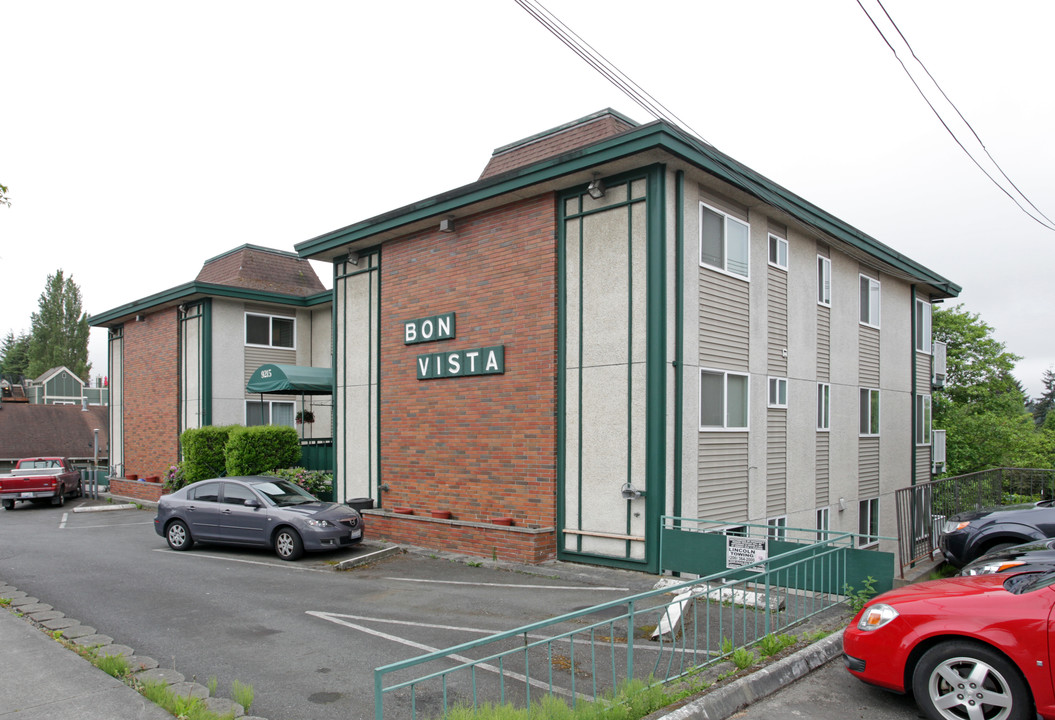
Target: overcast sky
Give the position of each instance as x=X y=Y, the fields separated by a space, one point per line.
x=138 y=139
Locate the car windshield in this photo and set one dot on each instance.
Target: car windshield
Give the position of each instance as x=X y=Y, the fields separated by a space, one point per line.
x=1029 y=581
x=284 y=493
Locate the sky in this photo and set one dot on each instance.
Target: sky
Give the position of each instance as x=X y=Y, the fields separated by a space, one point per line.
x=139 y=139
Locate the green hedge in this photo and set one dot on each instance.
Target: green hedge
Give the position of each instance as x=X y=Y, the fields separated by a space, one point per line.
x=203 y=452
x=261 y=448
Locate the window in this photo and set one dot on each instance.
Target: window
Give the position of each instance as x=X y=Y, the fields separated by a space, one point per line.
x=269 y=413
x=824 y=406
x=824 y=280
x=869 y=301
x=270 y=330
x=868 y=518
x=724 y=242
x=778 y=252
x=778 y=392
x=923 y=419
x=869 y=411
x=823 y=524
x=923 y=326
x=209 y=492
x=735 y=531
x=236 y=494
x=723 y=400
x=778 y=528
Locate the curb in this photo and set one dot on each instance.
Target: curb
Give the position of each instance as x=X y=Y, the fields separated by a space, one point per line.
x=726 y=701
x=103 y=508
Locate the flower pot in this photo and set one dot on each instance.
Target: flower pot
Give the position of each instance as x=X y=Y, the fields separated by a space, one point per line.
x=403 y=511
x=131 y=476
x=441 y=514
x=502 y=521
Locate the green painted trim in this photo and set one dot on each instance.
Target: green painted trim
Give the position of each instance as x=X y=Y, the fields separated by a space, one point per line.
x=206 y=362
x=606 y=561
x=656 y=367
x=679 y=336
x=653 y=136
x=562 y=373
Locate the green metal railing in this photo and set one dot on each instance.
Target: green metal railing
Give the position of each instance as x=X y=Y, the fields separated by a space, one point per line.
x=654 y=637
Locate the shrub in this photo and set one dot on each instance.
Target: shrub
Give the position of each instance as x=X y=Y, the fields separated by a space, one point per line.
x=314 y=481
x=175 y=478
x=203 y=452
x=261 y=448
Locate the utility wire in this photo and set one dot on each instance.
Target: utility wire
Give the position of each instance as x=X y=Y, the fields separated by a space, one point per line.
x=1043 y=220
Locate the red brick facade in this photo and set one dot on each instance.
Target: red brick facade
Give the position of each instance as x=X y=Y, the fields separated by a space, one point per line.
x=484 y=446
x=151 y=394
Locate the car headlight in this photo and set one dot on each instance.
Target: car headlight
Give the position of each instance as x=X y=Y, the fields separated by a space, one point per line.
x=995 y=566
x=876 y=616
x=953 y=526
x=319 y=523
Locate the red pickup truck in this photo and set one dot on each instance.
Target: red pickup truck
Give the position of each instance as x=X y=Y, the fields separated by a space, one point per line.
x=39 y=479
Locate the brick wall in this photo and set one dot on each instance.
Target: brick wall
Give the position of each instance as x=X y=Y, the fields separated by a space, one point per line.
x=513 y=544
x=484 y=446
x=151 y=491
x=151 y=398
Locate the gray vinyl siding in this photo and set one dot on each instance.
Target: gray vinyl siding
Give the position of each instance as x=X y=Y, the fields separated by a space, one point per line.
x=923 y=373
x=777 y=462
x=723 y=476
x=922 y=463
x=868 y=467
x=822 y=472
x=724 y=321
x=824 y=343
x=869 y=356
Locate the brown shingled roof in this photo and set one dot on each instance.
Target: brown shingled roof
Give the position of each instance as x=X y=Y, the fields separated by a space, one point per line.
x=557 y=141
x=257 y=268
x=28 y=430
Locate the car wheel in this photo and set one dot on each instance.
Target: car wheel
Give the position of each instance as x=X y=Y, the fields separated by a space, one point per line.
x=9 y=504
x=288 y=544
x=957 y=680
x=60 y=498
x=178 y=536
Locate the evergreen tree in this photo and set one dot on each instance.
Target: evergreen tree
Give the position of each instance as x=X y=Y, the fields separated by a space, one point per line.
x=60 y=330
x=1043 y=404
x=14 y=356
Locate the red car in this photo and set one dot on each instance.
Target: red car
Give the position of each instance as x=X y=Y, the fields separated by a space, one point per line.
x=967 y=648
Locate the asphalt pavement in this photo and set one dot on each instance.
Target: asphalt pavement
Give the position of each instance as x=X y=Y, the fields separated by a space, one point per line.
x=52 y=681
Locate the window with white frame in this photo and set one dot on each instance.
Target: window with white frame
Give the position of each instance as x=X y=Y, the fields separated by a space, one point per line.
x=777 y=527
x=924 y=318
x=868 y=522
x=270 y=330
x=273 y=412
x=923 y=419
x=823 y=523
x=723 y=400
x=869 y=411
x=869 y=301
x=824 y=406
x=778 y=392
x=824 y=280
x=724 y=242
x=778 y=252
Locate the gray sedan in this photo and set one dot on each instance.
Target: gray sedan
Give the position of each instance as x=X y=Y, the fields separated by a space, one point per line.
x=257 y=510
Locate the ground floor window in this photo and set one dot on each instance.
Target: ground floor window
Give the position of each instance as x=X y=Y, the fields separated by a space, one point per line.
x=273 y=412
x=778 y=527
x=868 y=522
x=823 y=524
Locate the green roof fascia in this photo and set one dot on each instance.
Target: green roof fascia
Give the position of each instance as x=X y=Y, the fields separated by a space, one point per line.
x=193 y=289
x=656 y=135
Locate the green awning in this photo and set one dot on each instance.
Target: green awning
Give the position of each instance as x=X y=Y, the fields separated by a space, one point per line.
x=291 y=380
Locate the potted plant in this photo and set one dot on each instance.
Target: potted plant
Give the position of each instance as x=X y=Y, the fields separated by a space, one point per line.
x=305 y=416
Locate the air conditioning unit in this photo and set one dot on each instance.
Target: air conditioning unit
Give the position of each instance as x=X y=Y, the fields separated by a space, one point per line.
x=937 y=451
x=937 y=379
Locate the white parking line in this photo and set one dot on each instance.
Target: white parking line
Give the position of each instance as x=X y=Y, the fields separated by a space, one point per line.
x=62 y=523
x=224 y=558
x=106 y=525
x=515 y=587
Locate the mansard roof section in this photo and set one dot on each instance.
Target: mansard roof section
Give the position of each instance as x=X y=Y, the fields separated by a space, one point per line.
x=259 y=268
x=557 y=141
x=656 y=142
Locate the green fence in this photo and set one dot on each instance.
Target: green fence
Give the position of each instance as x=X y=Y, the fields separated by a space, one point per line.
x=654 y=637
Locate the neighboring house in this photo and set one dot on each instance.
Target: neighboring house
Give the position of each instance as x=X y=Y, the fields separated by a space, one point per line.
x=60 y=386
x=182 y=358
x=31 y=430
x=618 y=323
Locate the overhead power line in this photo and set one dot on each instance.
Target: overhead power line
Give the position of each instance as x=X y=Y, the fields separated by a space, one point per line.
x=1011 y=190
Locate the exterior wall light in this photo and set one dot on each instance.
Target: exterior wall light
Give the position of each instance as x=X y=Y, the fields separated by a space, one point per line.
x=596 y=188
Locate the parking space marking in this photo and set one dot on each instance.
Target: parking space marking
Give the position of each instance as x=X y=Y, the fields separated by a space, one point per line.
x=62 y=523
x=63 y=526
x=578 y=588
x=283 y=566
x=338 y=619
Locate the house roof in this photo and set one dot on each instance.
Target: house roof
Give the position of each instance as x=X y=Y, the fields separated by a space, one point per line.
x=47 y=375
x=656 y=142
x=248 y=273
x=27 y=430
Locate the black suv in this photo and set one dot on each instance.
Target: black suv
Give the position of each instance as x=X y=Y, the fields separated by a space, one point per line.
x=969 y=535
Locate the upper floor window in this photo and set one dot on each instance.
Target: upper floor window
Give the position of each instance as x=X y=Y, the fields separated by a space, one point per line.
x=869 y=301
x=824 y=406
x=724 y=242
x=778 y=252
x=923 y=326
x=270 y=330
x=923 y=419
x=824 y=280
x=869 y=411
x=723 y=400
x=778 y=392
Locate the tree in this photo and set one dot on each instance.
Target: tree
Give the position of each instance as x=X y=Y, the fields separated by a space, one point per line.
x=1043 y=404
x=14 y=356
x=4 y=198
x=982 y=407
x=60 y=329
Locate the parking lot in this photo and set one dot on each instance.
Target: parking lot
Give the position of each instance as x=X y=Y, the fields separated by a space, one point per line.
x=305 y=636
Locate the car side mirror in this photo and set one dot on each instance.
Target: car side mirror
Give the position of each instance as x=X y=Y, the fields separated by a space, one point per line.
x=253 y=503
